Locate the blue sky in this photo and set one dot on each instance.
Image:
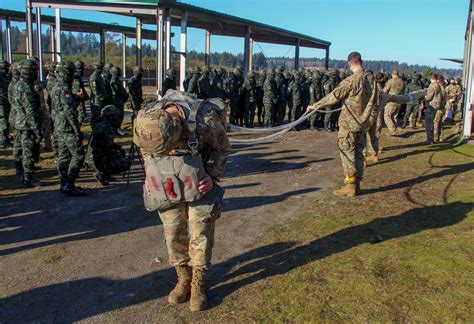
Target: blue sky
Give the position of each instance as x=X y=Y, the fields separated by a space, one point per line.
x=412 y=31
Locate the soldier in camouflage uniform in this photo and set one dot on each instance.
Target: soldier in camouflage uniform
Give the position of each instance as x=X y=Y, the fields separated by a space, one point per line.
x=234 y=91
x=295 y=97
x=411 y=112
x=315 y=94
x=97 y=94
x=270 y=100
x=103 y=155
x=107 y=77
x=250 y=93
x=27 y=122
x=15 y=73
x=169 y=82
x=77 y=85
x=452 y=97
x=68 y=129
x=359 y=98
x=440 y=113
x=259 y=91
x=193 y=82
x=187 y=79
x=50 y=83
x=135 y=91
x=188 y=227
x=394 y=86
x=204 y=84
x=241 y=104
x=328 y=87
x=119 y=95
x=217 y=84
x=282 y=89
x=5 y=78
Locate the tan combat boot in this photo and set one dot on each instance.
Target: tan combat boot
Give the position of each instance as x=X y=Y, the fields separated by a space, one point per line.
x=372 y=158
x=349 y=190
x=181 y=291
x=198 y=300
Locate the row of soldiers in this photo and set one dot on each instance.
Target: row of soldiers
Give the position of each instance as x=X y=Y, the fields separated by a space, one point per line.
x=270 y=95
x=58 y=118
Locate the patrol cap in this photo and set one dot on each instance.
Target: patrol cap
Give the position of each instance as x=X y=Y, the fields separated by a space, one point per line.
x=156 y=132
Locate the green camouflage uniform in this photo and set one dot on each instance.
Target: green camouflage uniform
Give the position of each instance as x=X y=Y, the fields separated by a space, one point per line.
x=66 y=126
x=77 y=85
x=169 y=82
x=107 y=77
x=189 y=227
x=250 y=93
x=27 y=119
x=259 y=90
x=328 y=87
x=294 y=95
x=394 y=86
x=282 y=89
x=193 y=82
x=97 y=94
x=204 y=84
x=51 y=80
x=119 y=94
x=103 y=155
x=217 y=85
x=234 y=89
x=14 y=70
x=315 y=94
x=270 y=100
x=134 y=85
x=5 y=79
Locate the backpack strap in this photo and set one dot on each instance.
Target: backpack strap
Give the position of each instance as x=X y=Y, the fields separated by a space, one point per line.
x=192 y=125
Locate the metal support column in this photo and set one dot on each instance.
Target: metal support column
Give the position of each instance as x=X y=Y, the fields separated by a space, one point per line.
x=9 y=40
x=124 y=58
x=39 y=42
x=468 y=84
x=207 y=57
x=183 y=45
x=297 y=54
x=247 y=52
x=58 y=35
x=326 y=62
x=138 y=54
x=102 y=45
x=29 y=29
x=52 y=43
x=167 y=48
x=1 y=40
x=159 y=52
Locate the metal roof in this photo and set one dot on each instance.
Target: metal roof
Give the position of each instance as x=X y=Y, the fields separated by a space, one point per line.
x=217 y=23
x=82 y=26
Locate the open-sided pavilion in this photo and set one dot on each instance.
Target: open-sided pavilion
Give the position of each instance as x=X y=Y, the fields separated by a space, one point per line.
x=164 y=14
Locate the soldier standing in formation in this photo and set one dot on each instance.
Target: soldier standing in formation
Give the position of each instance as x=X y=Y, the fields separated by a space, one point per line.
x=250 y=93
x=15 y=73
x=134 y=85
x=270 y=100
x=394 y=86
x=27 y=122
x=119 y=96
x=78 y=86
x=68 y=129
x=5 y=78
x=204 y=84
x=169 y=82
x=97 y=94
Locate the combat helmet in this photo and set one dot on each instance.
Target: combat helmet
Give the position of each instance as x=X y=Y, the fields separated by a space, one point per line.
x=156 y=131
x=14 y=70
x=170 y=72
x=115 y=70
x=137 y=71
x=79 y=67
x=110 y=113
x=28 y=69
x=65 y=69
x=98 y=65
x=4 y=65
x=107 y=67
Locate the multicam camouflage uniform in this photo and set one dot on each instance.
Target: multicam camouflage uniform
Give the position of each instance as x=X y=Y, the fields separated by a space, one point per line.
x=435 y=100
x=394 y=86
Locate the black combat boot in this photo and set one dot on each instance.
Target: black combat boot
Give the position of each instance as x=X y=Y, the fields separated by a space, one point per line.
x=29 y=182
x=18 y=168
x=70 y=188
x=63 y=184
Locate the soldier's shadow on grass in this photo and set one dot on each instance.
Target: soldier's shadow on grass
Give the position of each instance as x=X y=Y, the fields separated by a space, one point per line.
x=81 y=299
x=226 y=279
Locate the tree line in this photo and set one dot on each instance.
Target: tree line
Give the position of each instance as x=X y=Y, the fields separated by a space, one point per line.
x=86 y=47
